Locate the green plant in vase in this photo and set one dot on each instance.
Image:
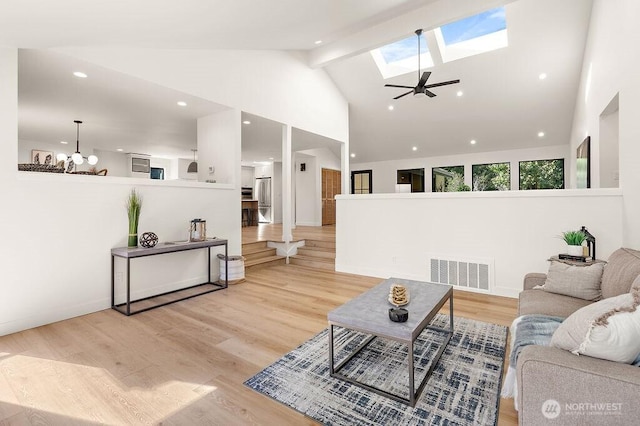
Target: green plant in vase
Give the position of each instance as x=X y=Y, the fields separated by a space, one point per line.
x=134 y=204
x=574 y=240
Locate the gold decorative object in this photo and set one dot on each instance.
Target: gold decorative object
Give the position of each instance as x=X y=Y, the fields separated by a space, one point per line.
x=398 y=295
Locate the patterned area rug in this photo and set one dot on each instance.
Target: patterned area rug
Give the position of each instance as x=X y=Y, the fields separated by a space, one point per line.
x=463 y=390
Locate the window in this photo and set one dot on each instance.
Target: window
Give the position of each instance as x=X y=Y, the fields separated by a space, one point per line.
x=448 y=179
x=484 y=32
x=469 y=36
x=362 y=182
x=410 y=180
x=542 y=174
x=401 y=57
x=491 y=177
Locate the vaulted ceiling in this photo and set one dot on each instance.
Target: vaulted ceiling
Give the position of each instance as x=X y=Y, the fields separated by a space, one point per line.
x=504 y=104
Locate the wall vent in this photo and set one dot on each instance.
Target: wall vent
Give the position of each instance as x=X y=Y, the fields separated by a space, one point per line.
x=465 y=273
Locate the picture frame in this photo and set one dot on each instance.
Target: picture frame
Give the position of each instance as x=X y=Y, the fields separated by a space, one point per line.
x=39 y=156
x=583 y=164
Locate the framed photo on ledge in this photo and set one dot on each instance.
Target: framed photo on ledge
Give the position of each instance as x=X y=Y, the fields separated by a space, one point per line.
x=42 y=157
x=583 y=164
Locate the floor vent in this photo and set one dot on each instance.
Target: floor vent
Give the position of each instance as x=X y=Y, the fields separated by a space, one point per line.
x=474 y=274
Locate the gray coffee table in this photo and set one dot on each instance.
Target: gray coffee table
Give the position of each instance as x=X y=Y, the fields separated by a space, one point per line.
x=368 y=313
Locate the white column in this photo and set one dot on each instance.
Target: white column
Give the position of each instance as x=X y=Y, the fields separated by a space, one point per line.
x=346 y=172
x=287 y=192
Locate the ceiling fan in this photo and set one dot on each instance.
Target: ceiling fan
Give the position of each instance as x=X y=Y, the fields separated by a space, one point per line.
x=422 y=88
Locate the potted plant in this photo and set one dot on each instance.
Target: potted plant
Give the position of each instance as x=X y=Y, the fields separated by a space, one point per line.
x=134 y=203
x=574 y=240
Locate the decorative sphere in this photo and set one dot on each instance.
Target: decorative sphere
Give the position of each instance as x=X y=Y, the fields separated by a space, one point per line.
x=148 y=239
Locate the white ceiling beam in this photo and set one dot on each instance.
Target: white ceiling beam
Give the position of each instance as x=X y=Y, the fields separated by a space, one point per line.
x=432 y=14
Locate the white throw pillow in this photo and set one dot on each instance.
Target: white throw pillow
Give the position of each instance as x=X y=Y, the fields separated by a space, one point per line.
x=608 y=329
x=582 y=282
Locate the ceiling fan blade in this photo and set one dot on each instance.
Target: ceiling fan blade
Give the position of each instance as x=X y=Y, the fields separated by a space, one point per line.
x=444 y=83
x=404 y=94
x=395 y=85
x=429 y=94
x=424 y=78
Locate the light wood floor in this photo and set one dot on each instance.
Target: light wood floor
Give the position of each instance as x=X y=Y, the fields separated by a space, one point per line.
x=269 y=232
x=185 y=363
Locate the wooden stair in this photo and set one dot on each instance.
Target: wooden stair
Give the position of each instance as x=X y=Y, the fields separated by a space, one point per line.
x=258 y=255
x=316 y=254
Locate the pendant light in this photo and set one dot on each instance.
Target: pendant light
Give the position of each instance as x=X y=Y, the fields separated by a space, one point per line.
x=77 y=156
x=193 y=166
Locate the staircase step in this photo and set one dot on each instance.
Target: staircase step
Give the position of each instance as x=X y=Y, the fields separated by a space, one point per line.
x=264 y=262
x=313 y=262
x=254 y=246
x=320 y=243
x=258 y=253
x=322 y=252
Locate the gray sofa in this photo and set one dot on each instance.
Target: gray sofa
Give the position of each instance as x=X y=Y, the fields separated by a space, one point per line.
x=546 y=373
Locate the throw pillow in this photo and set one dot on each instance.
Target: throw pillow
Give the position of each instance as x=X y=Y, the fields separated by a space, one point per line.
x=608 y=329
x=582 y=282
x=623 y=266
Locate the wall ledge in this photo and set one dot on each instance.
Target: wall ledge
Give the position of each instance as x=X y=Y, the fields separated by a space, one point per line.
x=545 y=193
x=117 y=180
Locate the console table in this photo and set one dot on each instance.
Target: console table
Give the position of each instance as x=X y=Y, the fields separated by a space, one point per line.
x=165 y=248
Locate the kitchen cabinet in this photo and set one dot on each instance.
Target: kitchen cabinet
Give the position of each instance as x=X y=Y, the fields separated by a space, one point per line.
x=247 y=177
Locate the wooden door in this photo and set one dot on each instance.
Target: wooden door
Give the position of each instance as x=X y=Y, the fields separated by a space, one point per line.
x=330 y=188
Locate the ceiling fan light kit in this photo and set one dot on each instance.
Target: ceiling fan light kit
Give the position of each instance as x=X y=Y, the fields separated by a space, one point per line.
x=422 y=88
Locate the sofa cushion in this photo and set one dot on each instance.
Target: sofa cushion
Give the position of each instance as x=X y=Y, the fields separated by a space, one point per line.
x=635 y=284
x=544 y=303
x=608 y=329
x=582 y=282
x=623 y=266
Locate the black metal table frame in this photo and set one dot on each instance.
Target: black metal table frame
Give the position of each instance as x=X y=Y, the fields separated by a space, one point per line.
x=120 y=307
x=414 y=394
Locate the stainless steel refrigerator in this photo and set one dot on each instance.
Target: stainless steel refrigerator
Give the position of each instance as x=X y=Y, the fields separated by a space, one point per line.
x=263 y=194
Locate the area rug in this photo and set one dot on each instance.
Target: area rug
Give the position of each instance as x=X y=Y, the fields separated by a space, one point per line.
x=464 y=388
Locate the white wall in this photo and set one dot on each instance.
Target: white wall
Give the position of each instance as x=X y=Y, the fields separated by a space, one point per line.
x=384 y=172
x=60 y=229
x=115 y=162
x=388 y=235
x=306 y=213
x=276 y=189
x=309 y=184
x=610 y=67
x=218 y=140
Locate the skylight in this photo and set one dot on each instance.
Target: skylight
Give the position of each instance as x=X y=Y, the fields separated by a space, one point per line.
x=474 y=26
x=403 y=49
x=466 y=37
x=401 y=57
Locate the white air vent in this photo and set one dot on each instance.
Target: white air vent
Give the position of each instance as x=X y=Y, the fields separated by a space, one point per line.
x=465 y=273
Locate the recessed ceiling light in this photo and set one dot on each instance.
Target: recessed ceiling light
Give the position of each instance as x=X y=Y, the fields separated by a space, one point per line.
x=390 y=107
x=459 y=93
x=270 y=158
x=80 y=74
x=415 y=148
x=64 y=142
x=472 y=142
x=246 y=122
x=542 y=76
x=353 y=155
x=318 y=42
x=119 y=149
x=182 y=103
x=541 y=134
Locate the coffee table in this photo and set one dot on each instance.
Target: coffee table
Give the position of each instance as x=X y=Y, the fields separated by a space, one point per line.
x=368 y=313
